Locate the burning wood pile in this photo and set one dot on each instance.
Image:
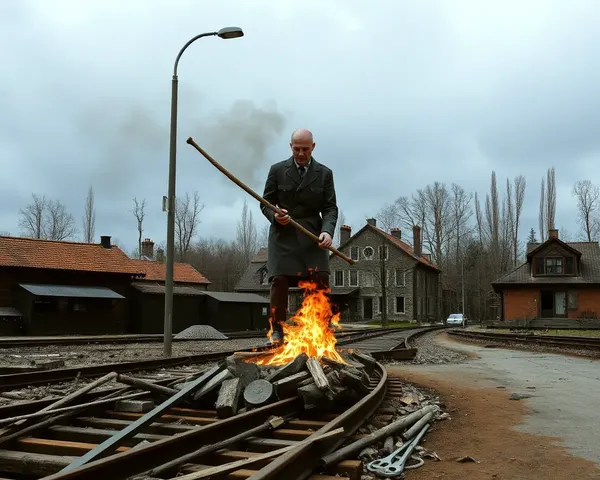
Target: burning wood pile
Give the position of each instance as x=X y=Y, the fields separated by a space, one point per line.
x=307 y=364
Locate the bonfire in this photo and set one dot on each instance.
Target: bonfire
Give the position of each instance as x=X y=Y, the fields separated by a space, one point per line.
x=311 y=330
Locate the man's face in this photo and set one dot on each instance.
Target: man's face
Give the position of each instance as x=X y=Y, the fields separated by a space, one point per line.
x=302 y=150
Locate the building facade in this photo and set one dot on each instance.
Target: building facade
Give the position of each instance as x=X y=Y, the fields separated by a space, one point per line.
x=559 y=281
x=388 y=273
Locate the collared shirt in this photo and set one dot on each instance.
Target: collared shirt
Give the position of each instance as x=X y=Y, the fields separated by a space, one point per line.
x=305 y=167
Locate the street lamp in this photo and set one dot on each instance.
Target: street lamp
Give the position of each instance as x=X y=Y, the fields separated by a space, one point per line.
x=225 y=33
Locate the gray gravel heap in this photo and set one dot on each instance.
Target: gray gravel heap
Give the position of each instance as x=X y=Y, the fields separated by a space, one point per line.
x=431 y=352
x=201 y=332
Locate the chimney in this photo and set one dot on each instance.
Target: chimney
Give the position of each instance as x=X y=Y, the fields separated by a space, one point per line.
x=148 y=248
x=160 y=255
x=427 y=256
x=345 y=233
x=105 y=241
x=552 y=233
x=417 y=240
x=396 y=232
x=372 y=222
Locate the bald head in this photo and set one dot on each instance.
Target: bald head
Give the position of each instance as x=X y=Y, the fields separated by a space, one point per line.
x=302 y=145
x=302 y=134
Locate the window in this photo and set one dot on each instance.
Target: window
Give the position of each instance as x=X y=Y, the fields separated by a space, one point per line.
x=339 y=278
x=569 y=266
x=264 y=277
x=265 y=311
x=399 y=304
x=368 y=252
x=354 y=253
x=353 y=278
x=383 y=252
x=572 y=300
x=554 y=266
x=367 y=279
x=400 y=277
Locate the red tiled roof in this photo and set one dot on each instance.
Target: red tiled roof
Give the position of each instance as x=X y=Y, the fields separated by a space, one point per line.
x=182 y=272
x=261 y=256
x=405 y=247
x=55 y=255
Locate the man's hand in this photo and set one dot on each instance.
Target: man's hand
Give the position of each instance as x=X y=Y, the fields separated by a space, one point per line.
x=325 y=240
x=282 y=219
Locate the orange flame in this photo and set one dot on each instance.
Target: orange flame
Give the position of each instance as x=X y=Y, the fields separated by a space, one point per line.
x=309 y=332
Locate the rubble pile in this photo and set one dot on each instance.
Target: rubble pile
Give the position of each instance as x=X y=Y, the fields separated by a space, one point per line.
x=329 y=385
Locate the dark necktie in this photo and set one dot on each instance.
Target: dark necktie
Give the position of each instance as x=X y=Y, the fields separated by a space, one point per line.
x=301 y=171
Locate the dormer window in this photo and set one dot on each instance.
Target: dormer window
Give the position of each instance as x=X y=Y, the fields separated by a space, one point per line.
x=554 y=265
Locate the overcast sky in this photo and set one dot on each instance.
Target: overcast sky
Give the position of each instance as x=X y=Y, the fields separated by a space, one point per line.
x=398 y=94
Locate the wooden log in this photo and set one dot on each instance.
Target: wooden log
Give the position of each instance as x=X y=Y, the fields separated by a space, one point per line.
x=355 y=447
x=291 y=368
x=247 y=372
x=144 y=385
x=354 y=381
x=229 y=397
x=35 y=465
x=258 y=393
x=313 y=397
x=213 y=384
x=315 y=369
x=289 y=385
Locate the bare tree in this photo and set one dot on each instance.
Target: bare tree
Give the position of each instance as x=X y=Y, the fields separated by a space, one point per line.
x=60 y=224
x=89 y=218
x=187 y=213
x=550 y=199
x=139 y=214
x=247 y=235
x=543 y=223
x=588 y=203
x=47 y=219
x=31 y=221
x=263 y=237
x=520 y=185
x=461 y=214
x=388 y=217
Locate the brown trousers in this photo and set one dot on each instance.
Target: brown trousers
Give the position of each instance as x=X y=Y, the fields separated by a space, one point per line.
x=280 y=286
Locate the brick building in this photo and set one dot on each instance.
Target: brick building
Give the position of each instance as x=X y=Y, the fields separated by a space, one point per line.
x=385 y=262
x=559 y=281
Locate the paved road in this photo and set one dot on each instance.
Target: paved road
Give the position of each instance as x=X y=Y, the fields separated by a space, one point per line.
x=565 y=402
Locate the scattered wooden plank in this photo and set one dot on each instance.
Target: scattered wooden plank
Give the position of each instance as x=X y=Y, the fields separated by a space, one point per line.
x=315 y=369
x=229 y=397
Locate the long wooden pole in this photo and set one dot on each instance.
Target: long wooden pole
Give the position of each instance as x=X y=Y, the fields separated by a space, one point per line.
x=266 y=203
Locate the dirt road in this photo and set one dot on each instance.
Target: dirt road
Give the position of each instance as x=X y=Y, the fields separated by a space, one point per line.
x=550 y=434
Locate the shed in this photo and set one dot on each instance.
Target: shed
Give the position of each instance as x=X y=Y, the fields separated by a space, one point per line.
x=148 y=308
x=69 y=309
x=233 y=311
x=11 y=321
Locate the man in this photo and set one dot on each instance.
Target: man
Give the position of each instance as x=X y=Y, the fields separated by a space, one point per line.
x=304 y=190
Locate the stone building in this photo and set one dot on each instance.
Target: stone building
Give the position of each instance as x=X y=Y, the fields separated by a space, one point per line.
x=388 y=274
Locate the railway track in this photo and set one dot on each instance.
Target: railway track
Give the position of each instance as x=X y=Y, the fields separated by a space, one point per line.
x=77 y=447
x=564 y=341
x=389 y=339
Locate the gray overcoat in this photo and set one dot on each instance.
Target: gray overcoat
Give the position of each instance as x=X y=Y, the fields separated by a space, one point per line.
x=311 y=201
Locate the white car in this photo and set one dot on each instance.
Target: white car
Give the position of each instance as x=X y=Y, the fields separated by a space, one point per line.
x=457 y=319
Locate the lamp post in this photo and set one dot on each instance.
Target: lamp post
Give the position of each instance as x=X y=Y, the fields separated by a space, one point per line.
x=225 y=33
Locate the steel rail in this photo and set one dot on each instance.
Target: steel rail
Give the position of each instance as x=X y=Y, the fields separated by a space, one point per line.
x=299 y=463
x=591 y=343
x=19 y=380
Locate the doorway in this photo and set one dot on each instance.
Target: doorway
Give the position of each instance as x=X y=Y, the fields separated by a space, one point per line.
x=553 y=304
x=368 y=308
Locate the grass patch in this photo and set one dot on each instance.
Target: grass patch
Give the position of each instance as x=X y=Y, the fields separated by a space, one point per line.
x=573 y=333
x=394 y=324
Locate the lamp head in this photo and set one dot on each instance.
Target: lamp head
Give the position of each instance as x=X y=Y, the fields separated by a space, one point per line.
x=230 y=32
